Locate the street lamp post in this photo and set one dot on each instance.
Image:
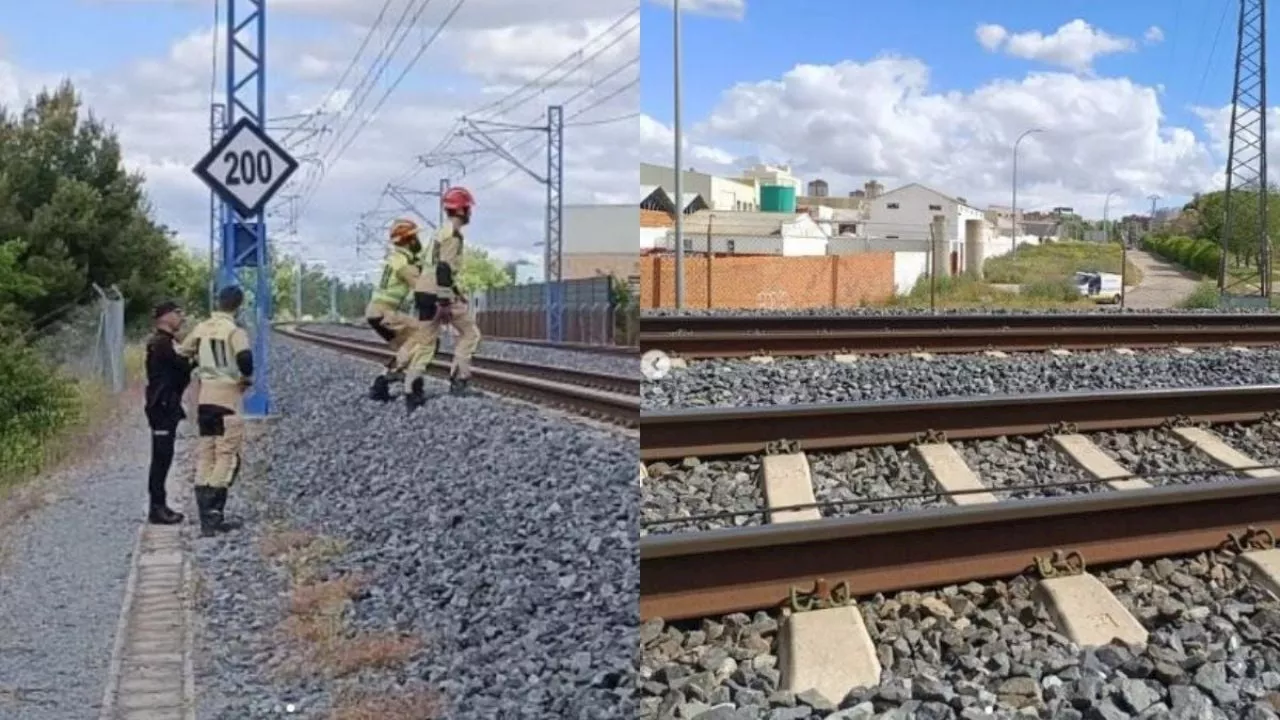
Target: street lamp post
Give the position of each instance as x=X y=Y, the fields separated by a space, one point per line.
x=1014 y=220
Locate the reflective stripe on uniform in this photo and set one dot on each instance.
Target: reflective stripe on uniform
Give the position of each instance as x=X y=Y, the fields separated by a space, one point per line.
x=392 y=289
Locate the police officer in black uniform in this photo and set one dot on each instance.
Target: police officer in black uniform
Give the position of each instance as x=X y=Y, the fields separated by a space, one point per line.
x=168 y=374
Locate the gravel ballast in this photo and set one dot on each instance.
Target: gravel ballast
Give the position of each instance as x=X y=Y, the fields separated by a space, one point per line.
x=500 y=536
x=63 y=570
x=988 y=650
x=518 y=352
x=790 y=381
x=693 y=488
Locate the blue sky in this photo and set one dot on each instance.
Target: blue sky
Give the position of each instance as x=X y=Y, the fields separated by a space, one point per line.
x=144 y=67
x=1187 y=62
x=774 y=36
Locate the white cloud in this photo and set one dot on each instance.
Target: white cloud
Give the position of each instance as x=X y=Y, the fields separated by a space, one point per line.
x=851 y=122
x=1074 y=46
x=990 y=36
x=1153 y=35
x=166 y=136
x=731 y=9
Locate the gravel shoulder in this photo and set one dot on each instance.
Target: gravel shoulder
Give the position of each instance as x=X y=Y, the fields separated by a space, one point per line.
x=500 y=537
x=63 y=574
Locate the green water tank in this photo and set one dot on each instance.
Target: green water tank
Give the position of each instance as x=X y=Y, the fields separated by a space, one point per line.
x=777 y=198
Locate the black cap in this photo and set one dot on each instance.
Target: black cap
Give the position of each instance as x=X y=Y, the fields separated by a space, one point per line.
x=165 y=308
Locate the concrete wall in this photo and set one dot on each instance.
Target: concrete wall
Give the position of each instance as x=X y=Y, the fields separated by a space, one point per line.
x=622 y=265
x=908 y=268
x=854 y=245
x=770 y=282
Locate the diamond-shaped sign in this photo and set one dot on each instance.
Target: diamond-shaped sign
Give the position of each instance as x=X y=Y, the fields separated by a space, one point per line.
x=246 y=168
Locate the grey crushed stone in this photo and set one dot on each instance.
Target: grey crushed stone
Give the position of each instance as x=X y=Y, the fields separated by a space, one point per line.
x=988 y=651
x=788 y=381
x=519 y=352
x=1259 y=441
x=1025 y=460
x=1148 y=453
x=852 y=478
x=503 y=537
x=694 y=488
x=63 y=575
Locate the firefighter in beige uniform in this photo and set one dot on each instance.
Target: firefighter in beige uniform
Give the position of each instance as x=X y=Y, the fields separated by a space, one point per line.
x=439 y=300
x=224 y=366
x=404 y=334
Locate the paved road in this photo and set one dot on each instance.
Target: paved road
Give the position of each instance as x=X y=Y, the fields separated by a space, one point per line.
x=1163 y=285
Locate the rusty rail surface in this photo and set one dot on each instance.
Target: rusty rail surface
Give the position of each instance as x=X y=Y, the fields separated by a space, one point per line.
x=547 y=385
x=701 y=432
x=706 y=337
x=744 y=569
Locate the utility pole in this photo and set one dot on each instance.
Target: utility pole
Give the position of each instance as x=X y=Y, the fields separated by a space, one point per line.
x=1151 y=219
x=553 y=252
x=1247 y=150
x=679 y=137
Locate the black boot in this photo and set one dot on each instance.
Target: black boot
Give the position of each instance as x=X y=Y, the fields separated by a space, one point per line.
x=220 y=507
x=416 y=395
x=211 y=520
x=381 y=390
x=460 y=387
x=160 y=514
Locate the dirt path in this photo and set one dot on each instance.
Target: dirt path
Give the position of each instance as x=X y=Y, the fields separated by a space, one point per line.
x=1163 y=284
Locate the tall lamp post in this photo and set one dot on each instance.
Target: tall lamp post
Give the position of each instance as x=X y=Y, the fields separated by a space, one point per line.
x=679 y=138
x=1014 y=220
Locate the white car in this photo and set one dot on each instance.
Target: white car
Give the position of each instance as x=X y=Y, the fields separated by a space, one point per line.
x=1099 y=286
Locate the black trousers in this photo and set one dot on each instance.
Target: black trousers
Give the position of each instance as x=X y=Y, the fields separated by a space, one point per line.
x=164 y=435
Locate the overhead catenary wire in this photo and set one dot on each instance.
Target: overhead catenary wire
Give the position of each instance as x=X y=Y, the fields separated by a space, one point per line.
x=346 y=73
x=457 y=6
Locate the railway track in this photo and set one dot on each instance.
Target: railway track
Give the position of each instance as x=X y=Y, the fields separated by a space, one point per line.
x=602 y=396
x=974 y=537
x=742 y=336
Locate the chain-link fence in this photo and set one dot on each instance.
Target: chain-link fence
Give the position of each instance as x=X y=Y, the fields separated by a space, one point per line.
x=86 y=340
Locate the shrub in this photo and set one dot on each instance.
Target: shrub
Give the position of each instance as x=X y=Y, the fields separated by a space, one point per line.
x=1062 y=290
x=35 y=404
x=1194 y=254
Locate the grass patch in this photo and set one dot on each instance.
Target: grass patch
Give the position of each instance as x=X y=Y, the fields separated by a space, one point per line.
x=966 y=292
x=1057 y=261
x=317 y=630
x=1204 y=297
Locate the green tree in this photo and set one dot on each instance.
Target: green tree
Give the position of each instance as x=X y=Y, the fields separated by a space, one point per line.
x=82 y=217
x=482 y=272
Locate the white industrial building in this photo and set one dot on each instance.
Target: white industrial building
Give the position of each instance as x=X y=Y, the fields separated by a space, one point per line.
x=750 y=233
x=718 y=192
x=779 y=175
x=907 y=213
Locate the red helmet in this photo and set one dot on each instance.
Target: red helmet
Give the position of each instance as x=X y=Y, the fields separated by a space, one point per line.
x=457 y=198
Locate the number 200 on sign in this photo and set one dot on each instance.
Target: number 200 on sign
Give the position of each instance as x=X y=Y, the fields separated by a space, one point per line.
x=248 y=167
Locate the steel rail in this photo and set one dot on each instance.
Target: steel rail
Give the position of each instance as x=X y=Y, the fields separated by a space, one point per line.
x=586 y=378
x=728 y=344
x=957 y=321
x=744 y=569
x=618 y=408
x=702 y=432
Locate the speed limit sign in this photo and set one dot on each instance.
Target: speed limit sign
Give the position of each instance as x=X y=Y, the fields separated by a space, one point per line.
x=246 y=168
